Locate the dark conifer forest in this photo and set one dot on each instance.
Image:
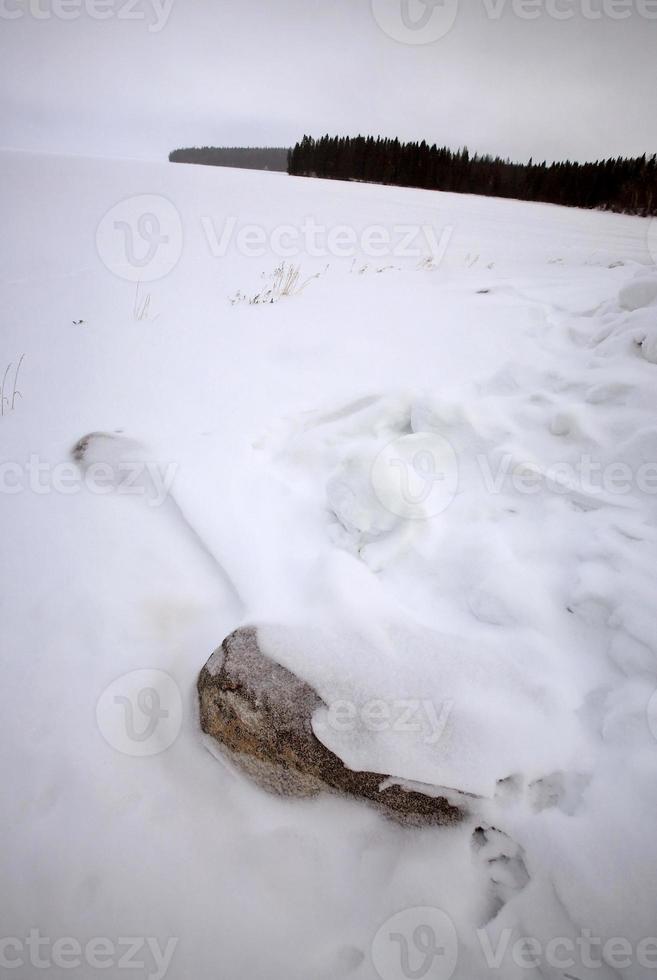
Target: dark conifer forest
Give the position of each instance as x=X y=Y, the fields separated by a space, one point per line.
x=617 y=184
x=246 y=157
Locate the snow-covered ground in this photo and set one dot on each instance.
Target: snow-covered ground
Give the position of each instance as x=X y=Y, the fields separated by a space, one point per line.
x=436 y=472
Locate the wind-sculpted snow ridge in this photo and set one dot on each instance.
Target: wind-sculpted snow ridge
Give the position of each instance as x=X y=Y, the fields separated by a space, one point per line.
x=520 y=594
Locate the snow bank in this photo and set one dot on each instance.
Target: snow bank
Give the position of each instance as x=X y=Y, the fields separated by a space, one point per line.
x=512 y=608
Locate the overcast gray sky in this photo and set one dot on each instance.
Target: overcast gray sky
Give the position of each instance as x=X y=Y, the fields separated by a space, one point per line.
x=548 y=78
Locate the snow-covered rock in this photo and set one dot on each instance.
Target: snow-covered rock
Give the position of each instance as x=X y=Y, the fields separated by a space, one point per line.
x=261 y=716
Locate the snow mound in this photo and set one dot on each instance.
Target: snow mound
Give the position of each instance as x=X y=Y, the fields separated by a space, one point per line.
x=431 y=708
x=638 y=293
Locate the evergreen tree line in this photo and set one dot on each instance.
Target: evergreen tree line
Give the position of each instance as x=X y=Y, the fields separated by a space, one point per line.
x=246 y=157
x=618 y=184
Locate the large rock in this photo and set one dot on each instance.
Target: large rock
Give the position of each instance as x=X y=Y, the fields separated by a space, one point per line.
x=260 y=714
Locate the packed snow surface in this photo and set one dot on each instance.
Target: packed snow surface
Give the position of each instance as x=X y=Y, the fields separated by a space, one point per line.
x=429 y=474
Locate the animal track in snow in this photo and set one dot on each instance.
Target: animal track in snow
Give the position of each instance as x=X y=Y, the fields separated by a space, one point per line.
x=504 y=864
x=560 y=790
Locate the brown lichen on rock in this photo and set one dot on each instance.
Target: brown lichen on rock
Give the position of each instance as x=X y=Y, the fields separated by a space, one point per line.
x=260 y=713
